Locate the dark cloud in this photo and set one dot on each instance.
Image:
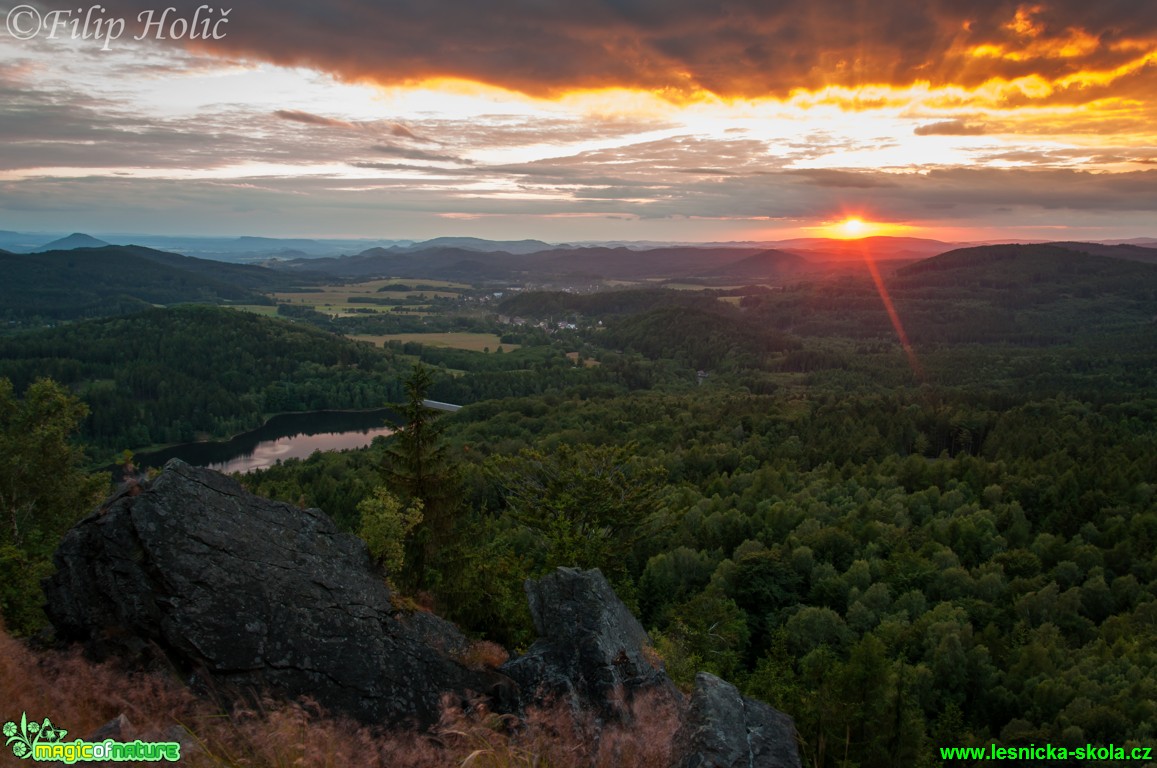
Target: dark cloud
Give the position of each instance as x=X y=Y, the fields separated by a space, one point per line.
x=398 y=167
x=826 y=177
x=950 y=128
x=409 y=153
x=736 y=48
x=960 y=197
x=296 y=116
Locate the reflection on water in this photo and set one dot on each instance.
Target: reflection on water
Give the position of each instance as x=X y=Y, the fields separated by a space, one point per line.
x=289 y=436
x=268 y=453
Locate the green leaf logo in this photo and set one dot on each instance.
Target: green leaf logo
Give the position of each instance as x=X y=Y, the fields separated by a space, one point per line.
x=24 y=737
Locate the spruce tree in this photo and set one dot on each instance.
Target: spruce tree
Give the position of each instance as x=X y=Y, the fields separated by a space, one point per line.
x=416 y=466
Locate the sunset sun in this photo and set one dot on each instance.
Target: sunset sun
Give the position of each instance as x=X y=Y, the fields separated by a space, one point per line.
x=852 y=227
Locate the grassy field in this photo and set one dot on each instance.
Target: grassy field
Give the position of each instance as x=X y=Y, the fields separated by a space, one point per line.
x=475 y=342
x=257 y=309
x=587 y=362
x=700 y=287
x=334 y=299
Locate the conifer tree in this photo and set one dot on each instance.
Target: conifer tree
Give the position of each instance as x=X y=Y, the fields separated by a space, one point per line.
x=417 y=467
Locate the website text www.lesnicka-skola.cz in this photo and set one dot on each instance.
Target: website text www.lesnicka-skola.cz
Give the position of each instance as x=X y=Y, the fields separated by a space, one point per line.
x=1047 y=752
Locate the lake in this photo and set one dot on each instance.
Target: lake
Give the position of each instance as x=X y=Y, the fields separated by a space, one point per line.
x=288 y=436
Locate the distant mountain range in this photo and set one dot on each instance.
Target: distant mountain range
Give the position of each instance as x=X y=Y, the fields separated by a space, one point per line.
x=1108 y=286
x=105 y=270
x=710 y=265
x=593 y=263
x=252 y=248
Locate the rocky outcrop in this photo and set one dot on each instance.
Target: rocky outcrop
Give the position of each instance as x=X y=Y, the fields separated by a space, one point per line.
x=722 y=729
x=252 y=594
x=590 y=648
x=245 y=594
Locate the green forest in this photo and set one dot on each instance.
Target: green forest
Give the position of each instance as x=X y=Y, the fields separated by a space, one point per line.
x=902 y=549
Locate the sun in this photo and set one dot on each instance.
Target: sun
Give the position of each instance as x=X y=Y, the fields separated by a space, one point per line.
x=852 y=227
x=856 y=227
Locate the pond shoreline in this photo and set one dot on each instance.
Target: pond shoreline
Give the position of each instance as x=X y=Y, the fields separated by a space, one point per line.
x=283 y=435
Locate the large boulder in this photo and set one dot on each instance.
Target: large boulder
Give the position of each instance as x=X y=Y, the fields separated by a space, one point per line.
x=252 y=594
x=723 y=729
x=590 y=650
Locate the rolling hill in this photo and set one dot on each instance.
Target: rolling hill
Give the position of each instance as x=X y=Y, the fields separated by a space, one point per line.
x=1128 y=251
x=1032 y=268
x=115 y=280
x=767 y=265
x=598 y=262
x=73 y=241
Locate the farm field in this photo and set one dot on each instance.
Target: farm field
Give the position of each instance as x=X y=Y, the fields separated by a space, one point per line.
x=336 y=299
x=257 y=309
x=474 y=342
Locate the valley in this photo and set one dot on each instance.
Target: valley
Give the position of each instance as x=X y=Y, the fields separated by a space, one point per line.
x=933 y=489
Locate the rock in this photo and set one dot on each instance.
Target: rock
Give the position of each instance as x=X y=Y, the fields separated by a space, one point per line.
x=117 y=729
x=251 y=594
x=722 y=729
x=590 y=648
x=436 y=632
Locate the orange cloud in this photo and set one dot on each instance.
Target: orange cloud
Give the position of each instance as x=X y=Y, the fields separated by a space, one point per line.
x=679 y=48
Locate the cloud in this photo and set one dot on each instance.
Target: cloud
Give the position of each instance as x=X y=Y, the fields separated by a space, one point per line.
x=399 y=167
x=409 y=153
x=950 y=128
x=297 y=116
x=744 y=48
x=402 y=132
x=381 y=204
x=827 y=177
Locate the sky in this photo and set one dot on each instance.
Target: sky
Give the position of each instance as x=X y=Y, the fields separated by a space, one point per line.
x=578 y=120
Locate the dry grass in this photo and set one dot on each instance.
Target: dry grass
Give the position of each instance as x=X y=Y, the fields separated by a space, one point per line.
x=483 y=654
x=554 y=736
x=81 y=696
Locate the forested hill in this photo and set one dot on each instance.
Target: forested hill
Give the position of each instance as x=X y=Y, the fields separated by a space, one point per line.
x=433 y=263
x=247 y=276
x=1025 y=295
x=766 y=265
x=73 y=241
x=170 y=375
x=1128 y=251
x=116 y=280
x=1032 y=267
x=451 y=263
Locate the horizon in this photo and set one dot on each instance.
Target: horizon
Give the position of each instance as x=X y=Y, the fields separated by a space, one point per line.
x=1008 y=122
x=61 y=234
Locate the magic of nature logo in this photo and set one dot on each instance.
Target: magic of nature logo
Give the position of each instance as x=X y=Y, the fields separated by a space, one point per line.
x=44 y=741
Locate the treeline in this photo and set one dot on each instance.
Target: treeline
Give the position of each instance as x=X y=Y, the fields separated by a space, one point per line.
x=709 y=338
x=172 y=375
x=560 y=304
